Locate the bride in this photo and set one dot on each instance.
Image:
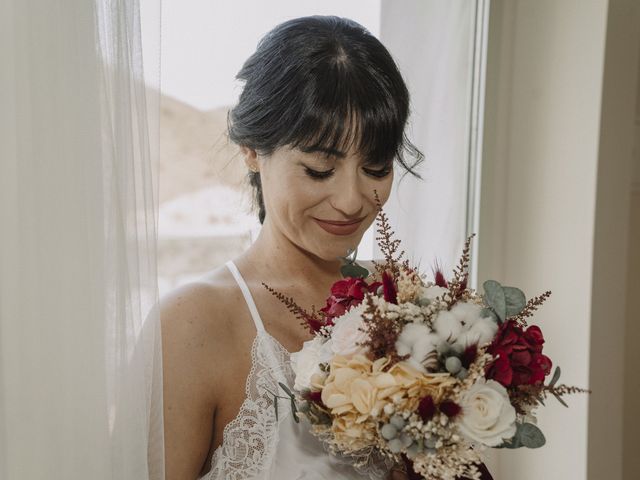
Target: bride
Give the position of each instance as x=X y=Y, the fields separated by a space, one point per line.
x=319 y=123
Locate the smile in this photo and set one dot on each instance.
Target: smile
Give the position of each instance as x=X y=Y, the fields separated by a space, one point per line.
x=340 y=227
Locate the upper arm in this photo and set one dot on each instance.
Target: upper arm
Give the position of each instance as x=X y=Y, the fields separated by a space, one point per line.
x=188 y=379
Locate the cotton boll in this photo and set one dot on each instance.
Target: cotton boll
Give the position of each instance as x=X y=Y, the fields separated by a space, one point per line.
x=423 y=347
x=467 y=313
x=447 y=325
x=481 y=332
x=409 y=335
x=416 y=340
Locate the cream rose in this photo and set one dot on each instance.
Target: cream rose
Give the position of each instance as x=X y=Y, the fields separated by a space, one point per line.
x=348 y=333
x=487 y=414
x=306 y=362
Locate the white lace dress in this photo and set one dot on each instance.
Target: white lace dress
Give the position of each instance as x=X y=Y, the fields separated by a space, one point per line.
x=255 y=444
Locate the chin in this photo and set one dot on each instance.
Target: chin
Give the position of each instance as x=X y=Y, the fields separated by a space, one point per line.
x=337 y=247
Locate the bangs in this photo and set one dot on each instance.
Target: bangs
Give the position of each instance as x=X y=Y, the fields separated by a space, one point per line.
x=339 y=113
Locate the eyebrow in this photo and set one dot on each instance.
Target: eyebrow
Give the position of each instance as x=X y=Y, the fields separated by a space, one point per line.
x=327 y=151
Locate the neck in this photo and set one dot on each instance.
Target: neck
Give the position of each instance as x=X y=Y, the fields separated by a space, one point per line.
x=285 y=265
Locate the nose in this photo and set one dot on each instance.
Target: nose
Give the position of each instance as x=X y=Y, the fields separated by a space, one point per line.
x=347 y=197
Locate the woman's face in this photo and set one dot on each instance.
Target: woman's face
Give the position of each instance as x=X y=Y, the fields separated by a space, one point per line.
x=323 y=202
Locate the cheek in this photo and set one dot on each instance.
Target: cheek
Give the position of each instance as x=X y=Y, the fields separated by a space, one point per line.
x=383 y=189
x=290 y=195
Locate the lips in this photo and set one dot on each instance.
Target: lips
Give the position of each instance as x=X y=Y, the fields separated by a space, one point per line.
x=339 y=227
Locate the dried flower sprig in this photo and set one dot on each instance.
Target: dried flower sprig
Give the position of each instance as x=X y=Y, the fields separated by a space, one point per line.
x=313 y=321
x=525 y=397
x=459 y=282
x=383 y=332
x=532 y=305
x=388 y=245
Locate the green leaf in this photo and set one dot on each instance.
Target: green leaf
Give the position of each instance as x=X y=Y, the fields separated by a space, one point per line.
x=515 y=300
x=294 y=410
x=511 y=444
x=275 y=405
x=354 y=270
x=530 y=435
x=488 y=313
x=555 y=378
x=559 y=398
x=495 y=298
x=286 y=389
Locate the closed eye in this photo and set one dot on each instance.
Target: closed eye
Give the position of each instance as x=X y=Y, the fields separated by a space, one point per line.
x=322 y=174
x=378 y=173
x=318 y=174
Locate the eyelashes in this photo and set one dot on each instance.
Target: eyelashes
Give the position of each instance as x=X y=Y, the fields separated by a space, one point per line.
x=321 y=175
x=317 y=174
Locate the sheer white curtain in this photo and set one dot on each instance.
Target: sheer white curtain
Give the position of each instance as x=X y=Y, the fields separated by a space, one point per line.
x=80 y=372
x=434 y=43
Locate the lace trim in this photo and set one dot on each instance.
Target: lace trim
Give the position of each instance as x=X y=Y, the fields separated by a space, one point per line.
x=249 y=440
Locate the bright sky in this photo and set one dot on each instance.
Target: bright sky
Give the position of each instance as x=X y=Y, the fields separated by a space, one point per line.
x=205 y=42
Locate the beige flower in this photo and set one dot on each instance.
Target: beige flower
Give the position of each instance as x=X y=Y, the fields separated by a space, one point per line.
x=357 y=390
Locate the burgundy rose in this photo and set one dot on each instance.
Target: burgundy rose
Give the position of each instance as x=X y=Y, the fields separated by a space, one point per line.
x=345 y=294
x=519 y=356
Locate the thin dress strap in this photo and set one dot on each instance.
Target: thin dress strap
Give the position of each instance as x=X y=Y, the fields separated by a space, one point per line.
x=247 y=295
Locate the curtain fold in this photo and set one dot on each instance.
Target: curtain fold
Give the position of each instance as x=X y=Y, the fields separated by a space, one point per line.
x=433 y=44
x=80 y=371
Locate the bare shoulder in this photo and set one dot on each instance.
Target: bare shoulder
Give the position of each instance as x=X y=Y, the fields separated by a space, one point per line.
x=197 y=335
x=199 y=307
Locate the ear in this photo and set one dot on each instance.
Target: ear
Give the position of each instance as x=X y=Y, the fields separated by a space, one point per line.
x=250 y=158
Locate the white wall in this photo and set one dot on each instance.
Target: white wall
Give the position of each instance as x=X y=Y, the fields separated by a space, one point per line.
x=555 y=208
x=617 y=129
x=631 y=459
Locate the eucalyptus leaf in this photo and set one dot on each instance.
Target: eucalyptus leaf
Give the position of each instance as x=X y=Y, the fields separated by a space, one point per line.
x=354 y=270
x=495 y=298
x=294 y=410
x=530 y=435
x=511 y=444
x=488 y=313
x=515 y=300
x=275 y=405
x=555 y=378
x=286 y=389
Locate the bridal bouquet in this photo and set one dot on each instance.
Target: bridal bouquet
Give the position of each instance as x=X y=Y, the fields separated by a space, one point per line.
x=423 y=373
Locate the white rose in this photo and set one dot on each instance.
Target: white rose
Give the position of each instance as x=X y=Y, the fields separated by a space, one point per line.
x=487 y=414
x=416 y=340
x=306 y=362
x=348 y=333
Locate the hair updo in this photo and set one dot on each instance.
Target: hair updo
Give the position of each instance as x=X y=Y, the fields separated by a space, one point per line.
x=322 y=82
